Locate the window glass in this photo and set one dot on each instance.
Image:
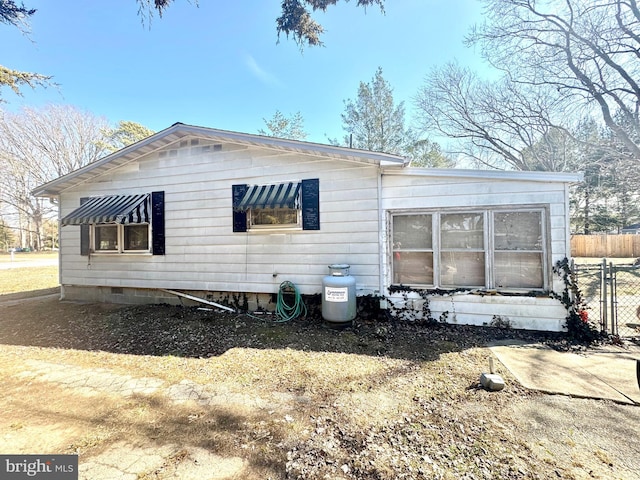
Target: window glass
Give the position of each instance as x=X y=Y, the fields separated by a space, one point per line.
x=274 y=216
x=462 y=230
x=518 y=231
x=462 y=269
x=413 y=268
x=463 y=259
x=106 y=237
x=412 y=232
x=136 y=237
x=518 y=270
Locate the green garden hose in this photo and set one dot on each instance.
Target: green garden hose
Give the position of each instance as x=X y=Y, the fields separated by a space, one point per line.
x=285 y=311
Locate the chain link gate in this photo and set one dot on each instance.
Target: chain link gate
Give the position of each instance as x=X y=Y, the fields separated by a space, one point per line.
x=612 y=295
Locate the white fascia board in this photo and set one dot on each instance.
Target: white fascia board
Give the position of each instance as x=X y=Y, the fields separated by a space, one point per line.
x=559 y=177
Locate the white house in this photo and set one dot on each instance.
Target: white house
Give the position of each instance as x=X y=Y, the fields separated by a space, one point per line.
x=631 y=229
x=221 y=214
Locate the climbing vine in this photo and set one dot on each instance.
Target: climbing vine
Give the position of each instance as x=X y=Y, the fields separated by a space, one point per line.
x=578 y=326
x=422 y=316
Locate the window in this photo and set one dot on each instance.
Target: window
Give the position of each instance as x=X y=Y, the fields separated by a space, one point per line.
x=130 y=223
x=270 y=217
x=291 y=205
x=136 y=237
x=105 y=238
x=412 y=249
x=110 y=238
x=519 y=256
x=462 y=250
x=488 y=248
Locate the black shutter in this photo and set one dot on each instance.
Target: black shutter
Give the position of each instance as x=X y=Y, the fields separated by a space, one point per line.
x=157 y=223
x=311 y=204
x=84 y=233
x=239 y=216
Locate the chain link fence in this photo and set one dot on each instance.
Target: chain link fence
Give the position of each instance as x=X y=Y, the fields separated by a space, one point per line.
x=612 y=296
x=626 y=295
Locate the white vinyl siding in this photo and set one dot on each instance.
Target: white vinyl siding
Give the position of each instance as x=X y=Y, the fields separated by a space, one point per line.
x=409 y=193
x=420 y=193
x=358 y=204
x=203 y=252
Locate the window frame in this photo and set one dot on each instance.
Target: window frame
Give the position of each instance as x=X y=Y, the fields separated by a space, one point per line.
x=483 y=249
x=273 y=226
x=120 y=246
x=309 y=210
x=489 y=250
x=396 y=249
x=94 y=238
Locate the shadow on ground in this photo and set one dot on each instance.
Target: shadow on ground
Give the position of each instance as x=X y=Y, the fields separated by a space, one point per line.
x=195 y=332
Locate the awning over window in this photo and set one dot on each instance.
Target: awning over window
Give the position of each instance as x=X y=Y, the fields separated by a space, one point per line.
x=122 y=209
x=271 y=196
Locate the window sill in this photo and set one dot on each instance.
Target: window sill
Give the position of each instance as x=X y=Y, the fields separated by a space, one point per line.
x=482 y=291
x=120 y=254
x=268 y=230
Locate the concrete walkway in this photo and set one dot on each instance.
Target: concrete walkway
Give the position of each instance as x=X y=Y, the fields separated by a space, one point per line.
x=603 y=373
x=128 y=461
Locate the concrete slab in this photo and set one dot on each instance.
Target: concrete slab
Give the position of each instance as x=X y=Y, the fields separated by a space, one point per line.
x=599 y=373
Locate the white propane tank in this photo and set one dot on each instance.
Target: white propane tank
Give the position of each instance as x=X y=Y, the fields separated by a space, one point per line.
x=339 y=295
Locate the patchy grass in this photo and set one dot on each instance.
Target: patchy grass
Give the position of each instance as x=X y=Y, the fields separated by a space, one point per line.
x=280 y=401
x=627 y=279
x=381 y=417
x=27 y=279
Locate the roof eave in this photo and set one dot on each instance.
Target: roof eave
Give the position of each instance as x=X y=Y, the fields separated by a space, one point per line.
x=566 y=177
x=180 y=130
x=48 y=189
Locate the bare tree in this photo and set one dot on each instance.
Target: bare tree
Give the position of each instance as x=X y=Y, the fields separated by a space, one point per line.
x=37 y=146
x=588 y=51
x=497 y=124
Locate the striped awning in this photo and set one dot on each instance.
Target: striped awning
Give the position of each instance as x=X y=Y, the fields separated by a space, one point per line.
x=121 y=209
x=271 y=196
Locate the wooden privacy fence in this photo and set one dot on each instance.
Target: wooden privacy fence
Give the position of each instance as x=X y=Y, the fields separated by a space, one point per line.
x=610 y=246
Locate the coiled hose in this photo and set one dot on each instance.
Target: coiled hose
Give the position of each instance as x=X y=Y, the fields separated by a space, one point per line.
x=285 y=311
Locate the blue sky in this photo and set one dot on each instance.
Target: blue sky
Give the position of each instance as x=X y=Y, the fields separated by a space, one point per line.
x=219 y=64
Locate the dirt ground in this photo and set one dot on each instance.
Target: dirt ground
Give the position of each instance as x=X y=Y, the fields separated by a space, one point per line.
x=174 y=392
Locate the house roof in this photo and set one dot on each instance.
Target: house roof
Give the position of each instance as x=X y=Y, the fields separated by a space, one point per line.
x=178 y=131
